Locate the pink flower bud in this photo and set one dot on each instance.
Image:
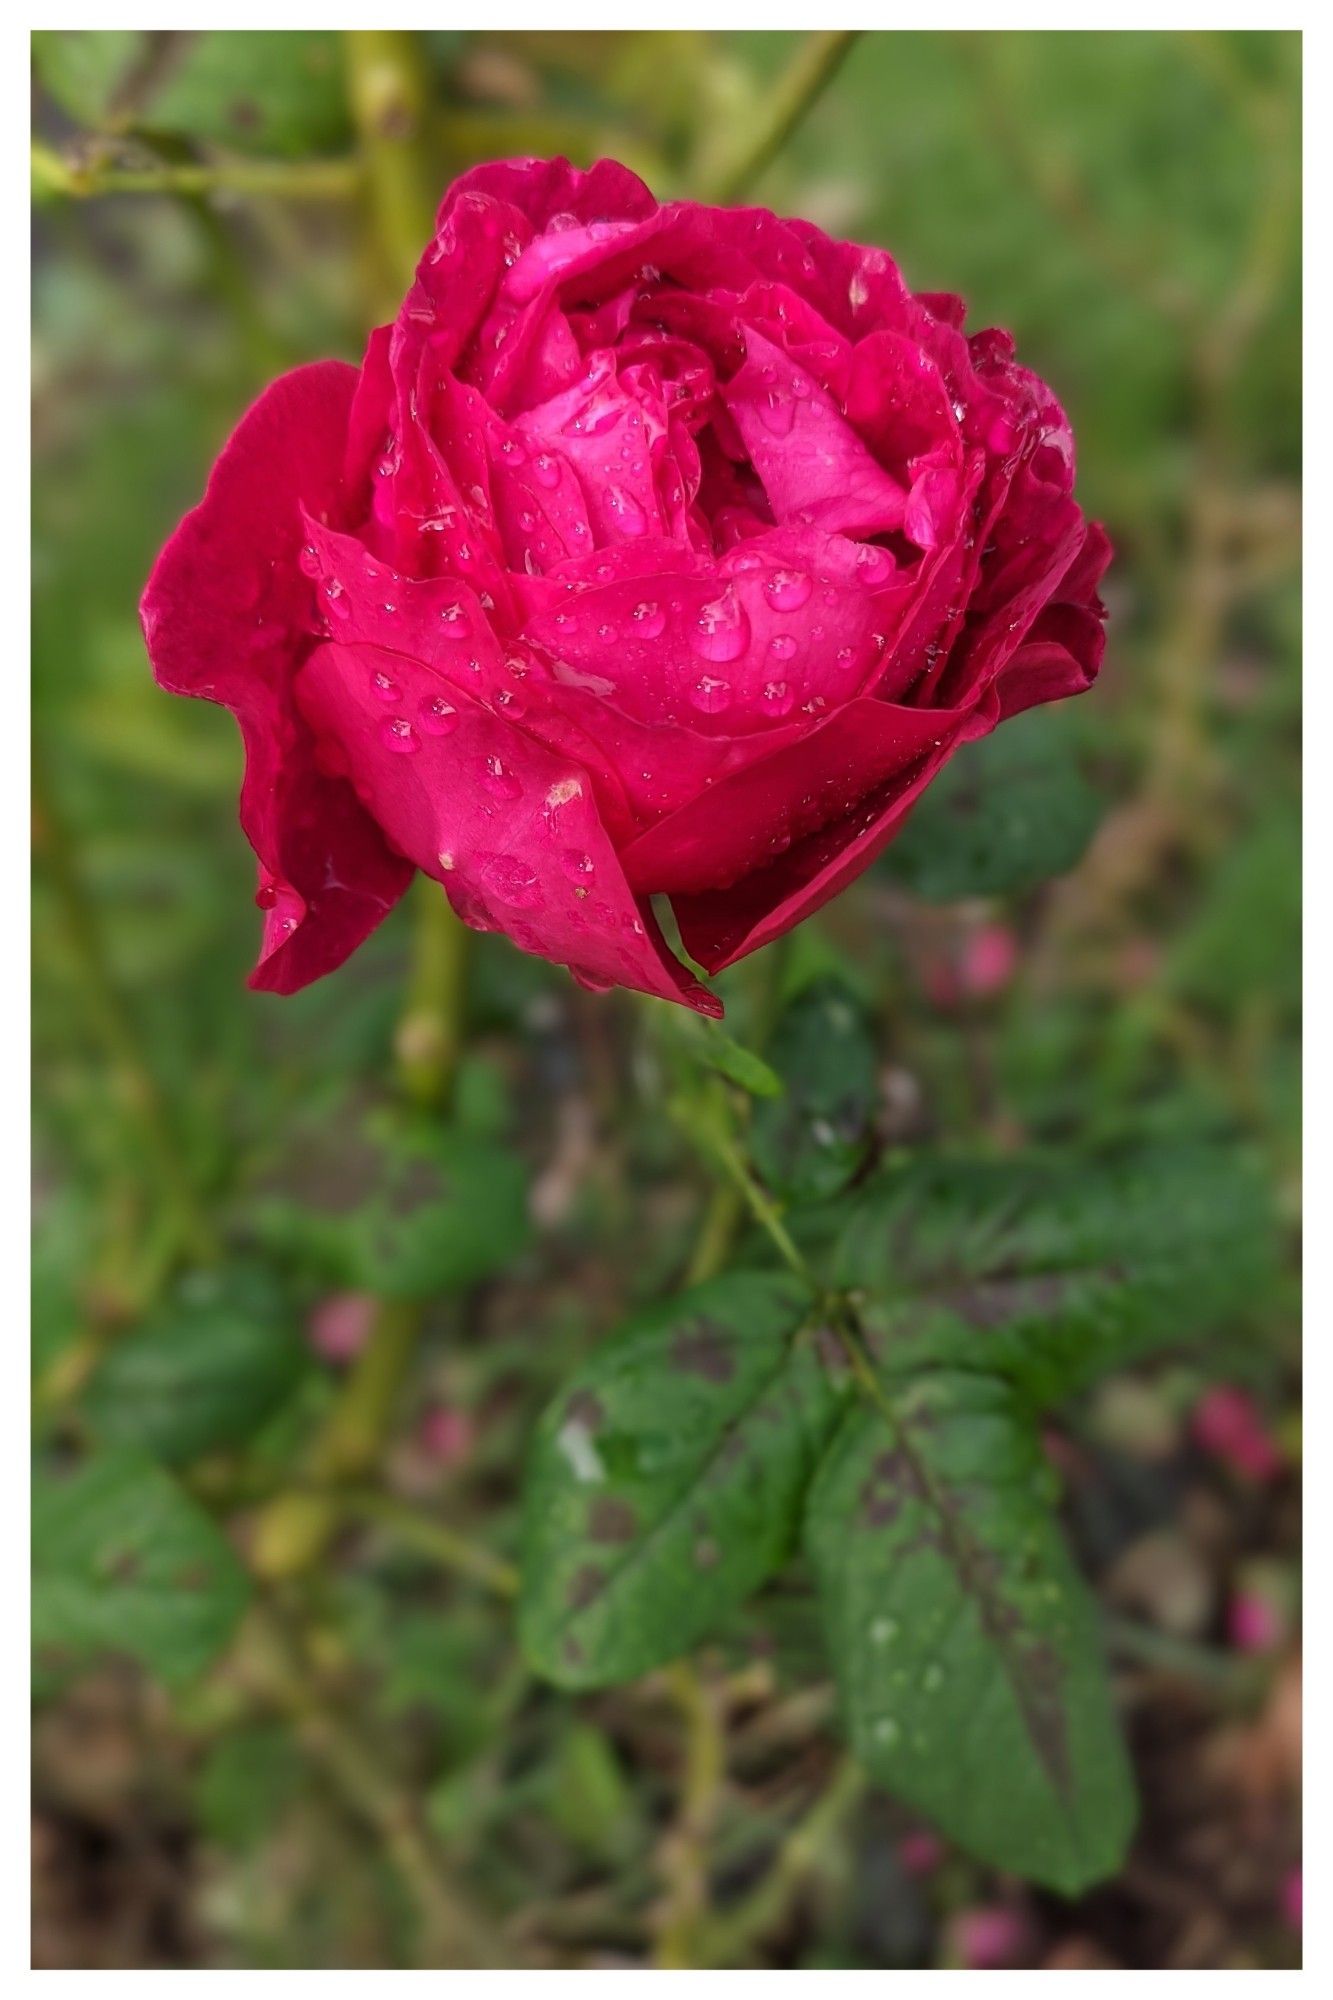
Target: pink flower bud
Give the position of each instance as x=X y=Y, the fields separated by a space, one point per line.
x=1227 y=1424
x=1254 y=1623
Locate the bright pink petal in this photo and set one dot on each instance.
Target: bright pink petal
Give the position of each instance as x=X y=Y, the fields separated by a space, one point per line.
x=226 y=616
x=509 y=826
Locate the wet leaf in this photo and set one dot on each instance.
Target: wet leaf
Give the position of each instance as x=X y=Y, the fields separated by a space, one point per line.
x=666 y=1479
x=965 y=1647
x=1051 y=1271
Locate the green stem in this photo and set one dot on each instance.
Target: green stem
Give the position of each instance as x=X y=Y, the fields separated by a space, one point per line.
x=729 y=1941
x=386 y=86
x=293 y=180
x=733 y=1162
x=454 y=1933
x=797 y=91
x=429 y=1039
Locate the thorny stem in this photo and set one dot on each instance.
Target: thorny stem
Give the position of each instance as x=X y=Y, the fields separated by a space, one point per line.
x=433 y=1538
x=388 y=91
x=101 y=173
x=795 y=94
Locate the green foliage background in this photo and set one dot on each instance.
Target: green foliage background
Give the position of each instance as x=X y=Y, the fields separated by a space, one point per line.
x=360 y=1767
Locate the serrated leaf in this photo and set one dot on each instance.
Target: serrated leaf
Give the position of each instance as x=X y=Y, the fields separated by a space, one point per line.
x=1051 y=1271
x=415 y=1211
x=665 y=1481
x=810 y=1142
x=125 y=1562
x=205 y=1371
x=965 y=1646
x=1006 y=813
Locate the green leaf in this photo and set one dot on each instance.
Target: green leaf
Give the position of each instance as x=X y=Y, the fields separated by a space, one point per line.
x=739 y=1065
x=965 y=1646
x=125 y=1562
x=666 y=1479
x=411 y=1210
x=84 y=68
x=1051 y=1271
x=278 y=91
x=810 y=1142
x=205 y=1371
x=1006 y=813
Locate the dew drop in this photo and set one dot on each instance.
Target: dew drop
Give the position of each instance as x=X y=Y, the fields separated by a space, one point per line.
x=783 y=647
x=650 y=620
x=545 y=470
x=788 y=589
x=511 y=880
x=454 y=620
x=710 y=695
x=629 y=515
x=309 y=559
x=437 y=717
x=874 y=566
x=578 y=866
x=722 y=630
x=778 y=698
x=383 y=688
x=502 y=783
x=397 y=733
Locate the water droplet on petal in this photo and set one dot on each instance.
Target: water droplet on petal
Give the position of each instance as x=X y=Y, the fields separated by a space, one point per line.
x=498 y=780
x=512 y=880
x=397 y=733
x=309 y=559
x=454 y=620
x=649 y=620
x=578 y=866
x=629 y=515
x=710 y=695
x=437 y=717
x=778 y=698
x=874 y=566
x=783 y=647
x=788 y=589
x=546 y=471
x=383 y=688
x=722 y=630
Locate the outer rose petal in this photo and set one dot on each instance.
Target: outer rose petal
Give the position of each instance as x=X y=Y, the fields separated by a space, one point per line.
x=510 y=827
x=226 y=617
x=723 y=925
x=814 y=781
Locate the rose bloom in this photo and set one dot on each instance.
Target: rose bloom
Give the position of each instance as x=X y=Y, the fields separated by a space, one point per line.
x=654 y=550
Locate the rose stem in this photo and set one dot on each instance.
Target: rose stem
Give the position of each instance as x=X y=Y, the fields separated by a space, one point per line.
x=796 y=92
x=388 y=97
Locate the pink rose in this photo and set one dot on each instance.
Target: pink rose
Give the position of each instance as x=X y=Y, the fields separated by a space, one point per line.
x=653 y=550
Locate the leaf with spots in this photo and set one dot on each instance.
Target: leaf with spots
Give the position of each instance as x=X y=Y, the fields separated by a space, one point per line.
x=1049 y=1271
x=1008 y=812
x=810 y=1142
x=666 y=1480
x=124 y=1561
x=964 y=1644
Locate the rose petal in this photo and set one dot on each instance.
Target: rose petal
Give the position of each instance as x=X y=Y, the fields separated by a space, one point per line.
x=508 y=826
x=226 y=616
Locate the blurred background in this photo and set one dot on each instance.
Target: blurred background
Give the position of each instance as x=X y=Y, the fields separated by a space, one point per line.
x=1128 y=204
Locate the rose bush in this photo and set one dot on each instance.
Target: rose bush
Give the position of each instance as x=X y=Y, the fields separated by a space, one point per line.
x=655 y=549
